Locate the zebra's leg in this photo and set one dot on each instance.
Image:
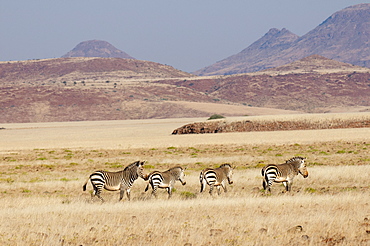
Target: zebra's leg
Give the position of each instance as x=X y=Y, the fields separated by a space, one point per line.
x=210 y=189
x=154 y=191
x=97 y=193
x=218 y=190
x=121 y=192
x=286 y=185
x=202 y=185
x=169 y=191
x=264 y=184
x=93 y=193
x=224 y=187
x=289 y=185
x=128 y=194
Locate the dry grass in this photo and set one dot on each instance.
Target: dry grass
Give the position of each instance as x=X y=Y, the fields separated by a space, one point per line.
x=43 y=202
x=57 y=213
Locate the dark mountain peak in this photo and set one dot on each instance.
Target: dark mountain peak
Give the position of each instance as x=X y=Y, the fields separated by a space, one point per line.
x=274 y=37
x=277 y=32
x=344 y=36
x=273 y=42
x=273 y=31
x=97 y=48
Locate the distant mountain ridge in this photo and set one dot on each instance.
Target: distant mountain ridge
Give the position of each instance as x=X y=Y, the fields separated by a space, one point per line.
x=85 y=88
x=86 y=69
x=97 y=48
x=344 y=36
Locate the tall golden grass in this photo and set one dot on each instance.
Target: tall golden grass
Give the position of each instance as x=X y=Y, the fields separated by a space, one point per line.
x=42 y=202
x=330 y=207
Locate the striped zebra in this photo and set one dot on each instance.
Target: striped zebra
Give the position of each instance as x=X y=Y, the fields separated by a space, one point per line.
x=113 y=181
x=284 y=173
x=165 y=180
x=216 y=177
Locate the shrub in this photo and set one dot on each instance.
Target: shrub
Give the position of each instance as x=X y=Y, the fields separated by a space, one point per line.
x=187 y=195
x=215 y=116
x=310 y=190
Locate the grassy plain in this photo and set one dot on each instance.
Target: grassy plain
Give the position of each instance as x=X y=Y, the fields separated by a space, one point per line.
x=43 y=167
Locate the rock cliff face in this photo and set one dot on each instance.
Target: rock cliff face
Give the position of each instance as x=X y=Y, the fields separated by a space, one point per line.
x=220 y=126
x=344 y=36
x=97 y=48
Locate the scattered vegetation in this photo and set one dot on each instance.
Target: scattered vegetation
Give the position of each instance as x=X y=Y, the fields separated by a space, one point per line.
x=188 y=195
x=215 y=117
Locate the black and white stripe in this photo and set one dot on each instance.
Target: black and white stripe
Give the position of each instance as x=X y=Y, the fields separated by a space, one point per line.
x=216 y=177
x=113 y=181
x=283 y=173
x=165 y=180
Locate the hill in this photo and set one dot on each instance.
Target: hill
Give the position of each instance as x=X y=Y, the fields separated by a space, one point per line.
x=344 y=36
x=314 y=64
x=70 y=89
x=77 y=69
x=312 y=84
x=80 y=89
x=97 y=48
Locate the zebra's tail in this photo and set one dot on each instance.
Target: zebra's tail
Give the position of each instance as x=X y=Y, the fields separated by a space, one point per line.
x=202 y=182
x=147 y=187
x=84 y=186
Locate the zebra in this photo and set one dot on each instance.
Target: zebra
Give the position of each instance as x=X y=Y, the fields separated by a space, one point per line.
x=165 y=180
x=113 y=181
x=284 y=173
x=216 y=177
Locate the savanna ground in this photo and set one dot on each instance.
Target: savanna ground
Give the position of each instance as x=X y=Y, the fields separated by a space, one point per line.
x=42 y=174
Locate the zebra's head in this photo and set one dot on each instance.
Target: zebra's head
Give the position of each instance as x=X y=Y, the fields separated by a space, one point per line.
x=228 y=171
x=301 y=165
x=140 y=169
x=179 y=174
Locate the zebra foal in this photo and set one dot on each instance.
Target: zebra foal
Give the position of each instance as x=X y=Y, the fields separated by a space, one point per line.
x=283 y=173
x=113 y=181
x=165 y=180
x=216 y=177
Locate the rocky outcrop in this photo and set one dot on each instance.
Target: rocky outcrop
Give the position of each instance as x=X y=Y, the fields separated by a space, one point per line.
x=220 y=126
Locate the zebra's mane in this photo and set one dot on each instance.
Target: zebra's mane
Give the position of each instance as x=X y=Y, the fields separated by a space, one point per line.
x=294 y=159
x=225 y=165
x=131 y=165
x=173 y=168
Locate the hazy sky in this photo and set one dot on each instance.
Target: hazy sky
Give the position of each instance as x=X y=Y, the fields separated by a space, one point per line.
x=187 y=34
